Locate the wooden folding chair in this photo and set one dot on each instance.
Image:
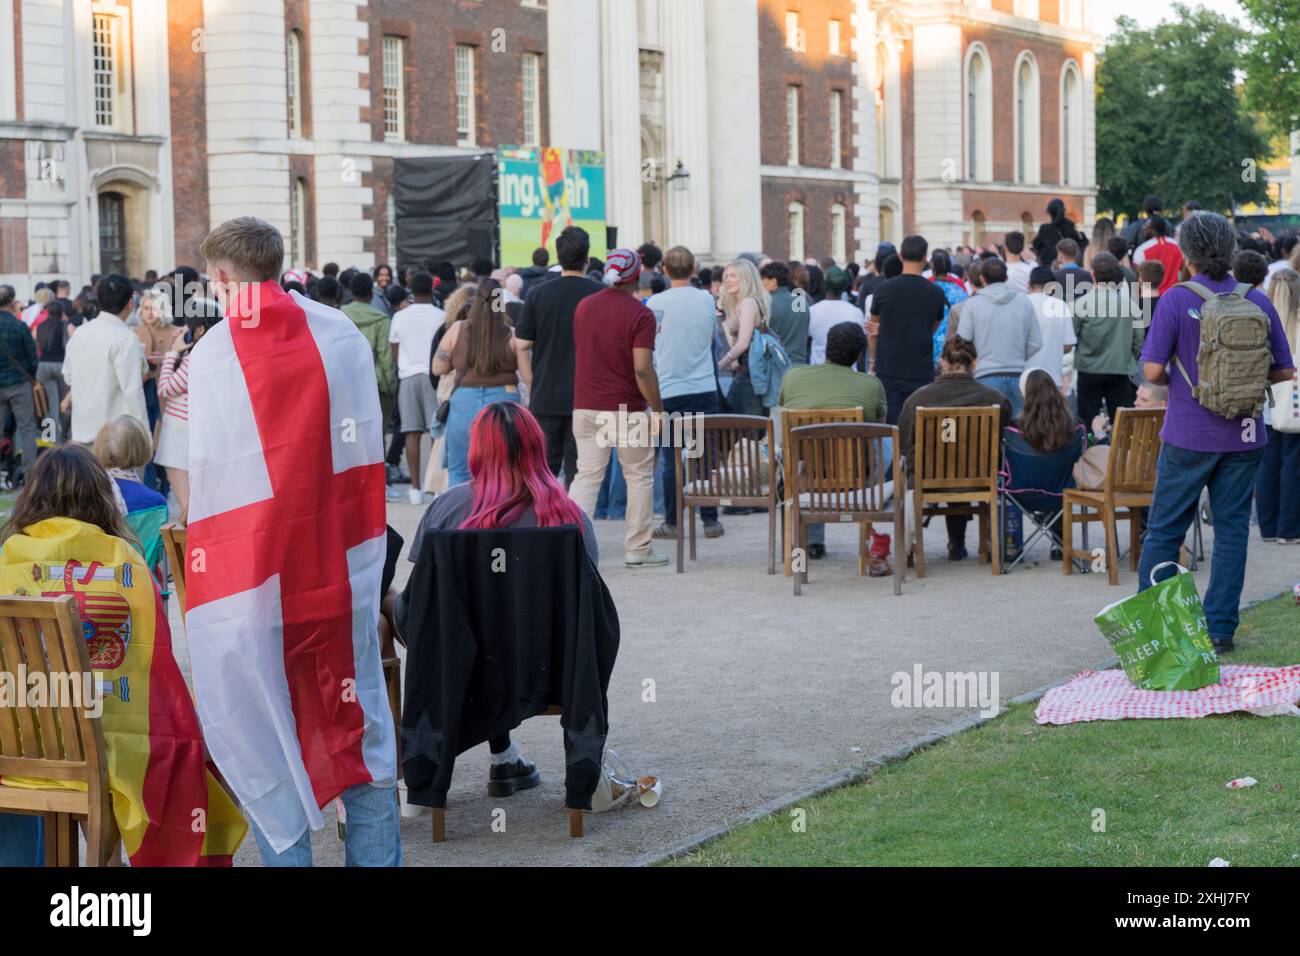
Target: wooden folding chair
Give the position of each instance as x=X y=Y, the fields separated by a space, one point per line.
x=1128 y=486
x=174 y=547
x=956 y=455
x=722 y=468
x=792 y=418
x=836 y=478
x=56 y=739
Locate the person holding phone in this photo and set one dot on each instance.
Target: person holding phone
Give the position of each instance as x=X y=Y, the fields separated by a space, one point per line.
x=173 y=451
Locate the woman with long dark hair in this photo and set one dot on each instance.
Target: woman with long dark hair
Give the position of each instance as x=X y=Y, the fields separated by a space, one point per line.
x=1058 y=227
x=480 y=351
x=510 y=486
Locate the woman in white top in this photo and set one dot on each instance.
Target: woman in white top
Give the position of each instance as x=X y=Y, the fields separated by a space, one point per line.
x=173 y=451
x=745 y=306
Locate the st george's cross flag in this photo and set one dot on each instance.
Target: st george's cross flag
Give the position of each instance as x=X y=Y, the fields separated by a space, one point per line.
x=284 y=556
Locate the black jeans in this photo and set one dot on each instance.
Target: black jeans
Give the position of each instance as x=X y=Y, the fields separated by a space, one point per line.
x=706 y=402
x=1115 y=391
x=896 y=393
x=561 y=449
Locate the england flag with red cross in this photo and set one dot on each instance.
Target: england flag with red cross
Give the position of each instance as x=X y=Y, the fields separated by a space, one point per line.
x=285 y=552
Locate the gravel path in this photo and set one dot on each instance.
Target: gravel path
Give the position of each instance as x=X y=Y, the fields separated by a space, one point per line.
x=758 y=694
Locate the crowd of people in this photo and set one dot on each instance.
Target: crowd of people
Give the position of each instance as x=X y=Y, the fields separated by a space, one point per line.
x=540 y=391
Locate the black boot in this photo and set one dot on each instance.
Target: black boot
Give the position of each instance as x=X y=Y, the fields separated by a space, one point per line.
x=505 y=778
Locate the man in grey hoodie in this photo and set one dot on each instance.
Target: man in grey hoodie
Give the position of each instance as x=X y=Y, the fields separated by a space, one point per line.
x=1004 y=327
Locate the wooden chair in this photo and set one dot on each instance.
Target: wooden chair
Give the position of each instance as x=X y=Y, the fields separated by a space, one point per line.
x=55 y=740
x=836 y=477
x=956 y=455
x=724 y=469
x=173 y=536
x=1128 y=486
x=174 y=540
x=792 y=418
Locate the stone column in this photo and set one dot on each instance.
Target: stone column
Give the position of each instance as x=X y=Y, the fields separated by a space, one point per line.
x=686 y=106
x=621 y=115
x=736 y=196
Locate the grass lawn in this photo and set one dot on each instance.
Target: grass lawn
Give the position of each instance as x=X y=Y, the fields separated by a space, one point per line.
x=1013 y=793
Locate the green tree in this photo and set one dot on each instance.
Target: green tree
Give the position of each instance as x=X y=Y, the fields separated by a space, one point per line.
x=1170 y=118
x=1272 y=63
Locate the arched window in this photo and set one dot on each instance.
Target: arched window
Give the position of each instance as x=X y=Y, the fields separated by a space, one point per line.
x=1028 y=138
x=979 y=115
x=1071 y=125
x=293 y=81
x=794 y=231
x=887 y=223
x=298 y=225
x=976 y=229
x=839 y=240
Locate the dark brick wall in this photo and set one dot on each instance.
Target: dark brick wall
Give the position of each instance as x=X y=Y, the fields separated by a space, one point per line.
x=297 y=16
x=501 y=30
x=189 y=132
x=817 y=199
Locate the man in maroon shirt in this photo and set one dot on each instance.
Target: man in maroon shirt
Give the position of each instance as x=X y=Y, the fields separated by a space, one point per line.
x=614 y=380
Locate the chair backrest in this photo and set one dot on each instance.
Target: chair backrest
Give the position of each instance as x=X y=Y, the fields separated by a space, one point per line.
x=1134 y=450
x=55 y=739
x=1028 y=470
x=837 y=466
x=174 y=538
x=957 y=449
x=792 y=418
x=724 y=455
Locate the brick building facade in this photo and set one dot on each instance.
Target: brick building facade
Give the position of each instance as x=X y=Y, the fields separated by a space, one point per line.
x=129 y=127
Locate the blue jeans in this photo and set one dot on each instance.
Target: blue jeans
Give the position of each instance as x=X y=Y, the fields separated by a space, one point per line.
x=1180 y=476
x=611 y=503
x=1277 y=488
x=706 y=402
x=373 y=834
x=22 y=840
x=466 y=403
x=1008 y=385
x=741 y=396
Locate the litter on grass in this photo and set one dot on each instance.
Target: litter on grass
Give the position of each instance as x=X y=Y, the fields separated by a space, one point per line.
x=1241 y=783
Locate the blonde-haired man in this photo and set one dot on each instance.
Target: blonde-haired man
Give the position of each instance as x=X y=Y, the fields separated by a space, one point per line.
x=287 y=544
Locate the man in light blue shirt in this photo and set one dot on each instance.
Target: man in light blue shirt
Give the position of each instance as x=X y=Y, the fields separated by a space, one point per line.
x=686 y=319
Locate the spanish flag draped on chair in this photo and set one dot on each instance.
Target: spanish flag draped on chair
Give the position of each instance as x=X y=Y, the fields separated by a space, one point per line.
x=170 y=808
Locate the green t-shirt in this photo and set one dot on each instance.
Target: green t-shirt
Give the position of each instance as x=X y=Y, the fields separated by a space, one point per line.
x=833 y=386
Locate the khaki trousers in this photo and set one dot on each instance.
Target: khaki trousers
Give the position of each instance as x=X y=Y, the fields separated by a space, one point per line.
x=597 y=432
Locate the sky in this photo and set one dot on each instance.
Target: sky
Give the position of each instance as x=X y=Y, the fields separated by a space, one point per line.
x=1150 y=12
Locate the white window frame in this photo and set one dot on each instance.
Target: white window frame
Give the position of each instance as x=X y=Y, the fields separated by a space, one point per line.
x=792 y=108
x=530 y=86
x=977 y=114
x=795 y=221
x=114 y=69
x=836 y=108
x=393 y=70
x=1071 y=126
x=298 y=224
x=835 y=38
x=839 y=230
x=293 y=82
x=466 y=94
x=795 y=37
x=1026 y=122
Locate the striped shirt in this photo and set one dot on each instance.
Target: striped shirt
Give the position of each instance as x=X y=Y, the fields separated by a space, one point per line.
x=174 y=386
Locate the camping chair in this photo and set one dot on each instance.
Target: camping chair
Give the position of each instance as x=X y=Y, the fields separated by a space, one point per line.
x=722 y=466
x=1129 y=484
x=55 y=740
x=174 y=539
x=1035 y=483
x=956 y=456
x=792 y=418
x=836 y=477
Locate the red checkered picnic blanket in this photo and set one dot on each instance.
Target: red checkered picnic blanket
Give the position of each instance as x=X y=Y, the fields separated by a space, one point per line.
x=1109 y=695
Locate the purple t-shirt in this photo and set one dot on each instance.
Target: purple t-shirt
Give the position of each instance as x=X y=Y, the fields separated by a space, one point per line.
x=1187 y=424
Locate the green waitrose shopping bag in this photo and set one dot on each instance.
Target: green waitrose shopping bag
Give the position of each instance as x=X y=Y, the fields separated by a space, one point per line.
x=1160 y=635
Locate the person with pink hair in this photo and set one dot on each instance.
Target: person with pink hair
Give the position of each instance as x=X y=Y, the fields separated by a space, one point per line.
x=510 y=486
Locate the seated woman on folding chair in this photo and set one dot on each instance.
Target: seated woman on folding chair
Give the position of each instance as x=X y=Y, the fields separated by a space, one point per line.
x=510 y=486
x=1040 y=452
x=66 y=536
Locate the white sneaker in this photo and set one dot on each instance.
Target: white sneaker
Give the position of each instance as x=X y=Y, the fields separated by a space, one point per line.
x=392 y=494
x=416 y=496
x=637 y=559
